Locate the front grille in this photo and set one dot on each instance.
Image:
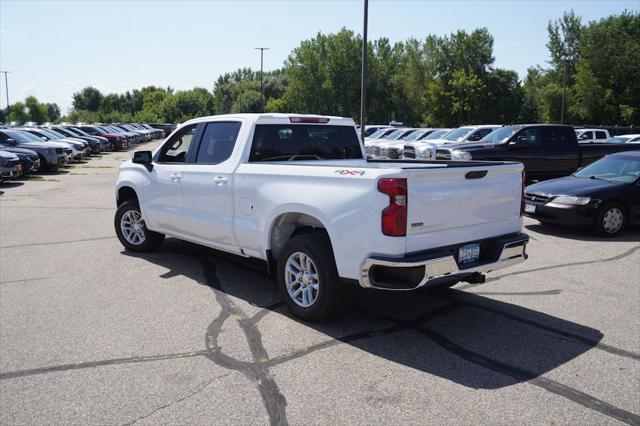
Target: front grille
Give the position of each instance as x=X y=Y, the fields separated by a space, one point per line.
x=33 y=158
x=443 y=154
x=376 y=151
x=13 y=163
x=59 y=151
x=369 y=149
x=537 y=197
x=394 y=153
x=409 y=151
x=68 y=151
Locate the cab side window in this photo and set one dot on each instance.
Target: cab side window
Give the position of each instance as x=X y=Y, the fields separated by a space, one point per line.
x=175 y=150
x=556 y=136
x=601 y=135
x=217 y=142
x=532 y=136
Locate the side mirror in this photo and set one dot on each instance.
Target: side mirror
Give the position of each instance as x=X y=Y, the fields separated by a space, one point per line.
x=519 y=142
x=11 y=141
x=44 y=138
x=145 y=158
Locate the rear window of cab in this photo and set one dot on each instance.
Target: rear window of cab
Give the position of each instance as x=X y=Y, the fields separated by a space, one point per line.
x=282 y=142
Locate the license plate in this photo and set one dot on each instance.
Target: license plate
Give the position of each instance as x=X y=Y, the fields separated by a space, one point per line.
x=469 y=253
x=530 y=208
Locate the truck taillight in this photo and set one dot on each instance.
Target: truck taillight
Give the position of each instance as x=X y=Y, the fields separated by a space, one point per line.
x=524 y=182
x=394 y=216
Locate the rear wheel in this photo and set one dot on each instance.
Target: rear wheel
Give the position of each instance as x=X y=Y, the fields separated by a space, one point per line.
x=132 y=230
x=610 y=220
x=308 y=278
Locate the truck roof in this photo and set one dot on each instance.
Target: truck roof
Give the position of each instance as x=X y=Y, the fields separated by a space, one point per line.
x=278 y=118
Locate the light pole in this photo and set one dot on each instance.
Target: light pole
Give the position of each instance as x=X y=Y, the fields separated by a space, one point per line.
x=363 y=78
x=261 y=49
x=6 y=86
x=564 y=85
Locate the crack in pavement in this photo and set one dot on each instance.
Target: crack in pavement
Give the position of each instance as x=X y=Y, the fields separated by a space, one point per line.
x=94 y=364
x=565 y=265
x=194 y=392
x=256 y=371
x=58 y=207
x=81 y=240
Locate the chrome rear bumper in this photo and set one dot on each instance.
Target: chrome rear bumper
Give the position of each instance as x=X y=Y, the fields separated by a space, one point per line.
x=504 y=251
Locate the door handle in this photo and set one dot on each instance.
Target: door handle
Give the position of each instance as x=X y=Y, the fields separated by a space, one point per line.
x=219 y=180
x=175 y=177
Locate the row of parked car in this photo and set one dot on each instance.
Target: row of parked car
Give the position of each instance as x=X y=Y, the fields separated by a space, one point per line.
x=47 y=148
x=388 y=142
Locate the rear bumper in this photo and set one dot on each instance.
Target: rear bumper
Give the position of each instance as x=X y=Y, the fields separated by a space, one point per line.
x=418 y=269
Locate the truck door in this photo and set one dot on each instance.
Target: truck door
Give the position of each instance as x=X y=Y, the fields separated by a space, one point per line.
x=162 y=197
x=561 y=150
x=207 y=186
x=526 y=148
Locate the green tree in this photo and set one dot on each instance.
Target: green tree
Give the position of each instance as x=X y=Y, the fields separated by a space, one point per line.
x=35 y=110
x=88 y=98
x=17 y=112
x=564 y=43
x=607 y=87
x=53 y=111
x=324 y=75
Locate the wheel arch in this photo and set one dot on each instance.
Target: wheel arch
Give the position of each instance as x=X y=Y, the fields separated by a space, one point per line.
x=126 y=193
x=286 y=225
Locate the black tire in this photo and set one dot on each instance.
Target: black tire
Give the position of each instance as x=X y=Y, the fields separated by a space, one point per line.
x=317 y=247
x=610 y=220
x=151 y=241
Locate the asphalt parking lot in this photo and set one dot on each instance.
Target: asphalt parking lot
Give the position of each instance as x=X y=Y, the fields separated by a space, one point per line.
x=92 y=334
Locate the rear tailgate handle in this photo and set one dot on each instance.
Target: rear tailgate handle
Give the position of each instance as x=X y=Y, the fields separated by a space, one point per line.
x=476 y=174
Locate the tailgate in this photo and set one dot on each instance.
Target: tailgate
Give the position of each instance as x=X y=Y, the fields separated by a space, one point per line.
x=462 y=204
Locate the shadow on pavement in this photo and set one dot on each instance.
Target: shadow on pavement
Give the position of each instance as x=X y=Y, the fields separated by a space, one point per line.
x=471 y=340
x=10 y=184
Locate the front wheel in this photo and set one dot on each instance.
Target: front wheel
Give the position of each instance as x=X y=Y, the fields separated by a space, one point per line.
x=132 y=230
x=610 y=220
x=308 y=278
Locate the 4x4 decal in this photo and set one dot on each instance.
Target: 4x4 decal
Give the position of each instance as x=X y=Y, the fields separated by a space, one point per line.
x=350 y=172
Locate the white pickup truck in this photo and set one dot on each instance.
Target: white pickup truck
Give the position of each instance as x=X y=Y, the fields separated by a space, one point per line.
x=296 y=192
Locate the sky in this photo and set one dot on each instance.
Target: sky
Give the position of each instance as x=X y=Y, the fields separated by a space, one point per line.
x=55 y=48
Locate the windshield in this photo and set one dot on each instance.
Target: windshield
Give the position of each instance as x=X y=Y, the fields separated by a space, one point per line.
x=22 y=136
x=377 y=134
x=620 y=139
x=500 y=135
x=80 y=131
x=618 y=168
x=64 y=132
x=458 y=134
x=415 y=135
x=436 y=135
x=54 y=134
x=394 y=135
x=282 y=142
x=74 y=131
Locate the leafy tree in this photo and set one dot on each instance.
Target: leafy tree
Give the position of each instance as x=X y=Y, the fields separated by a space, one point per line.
x=564 y=42
x=607 y=87
x=17 y=112
x=88 y=98
x=35 y=110
x=53 y=111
